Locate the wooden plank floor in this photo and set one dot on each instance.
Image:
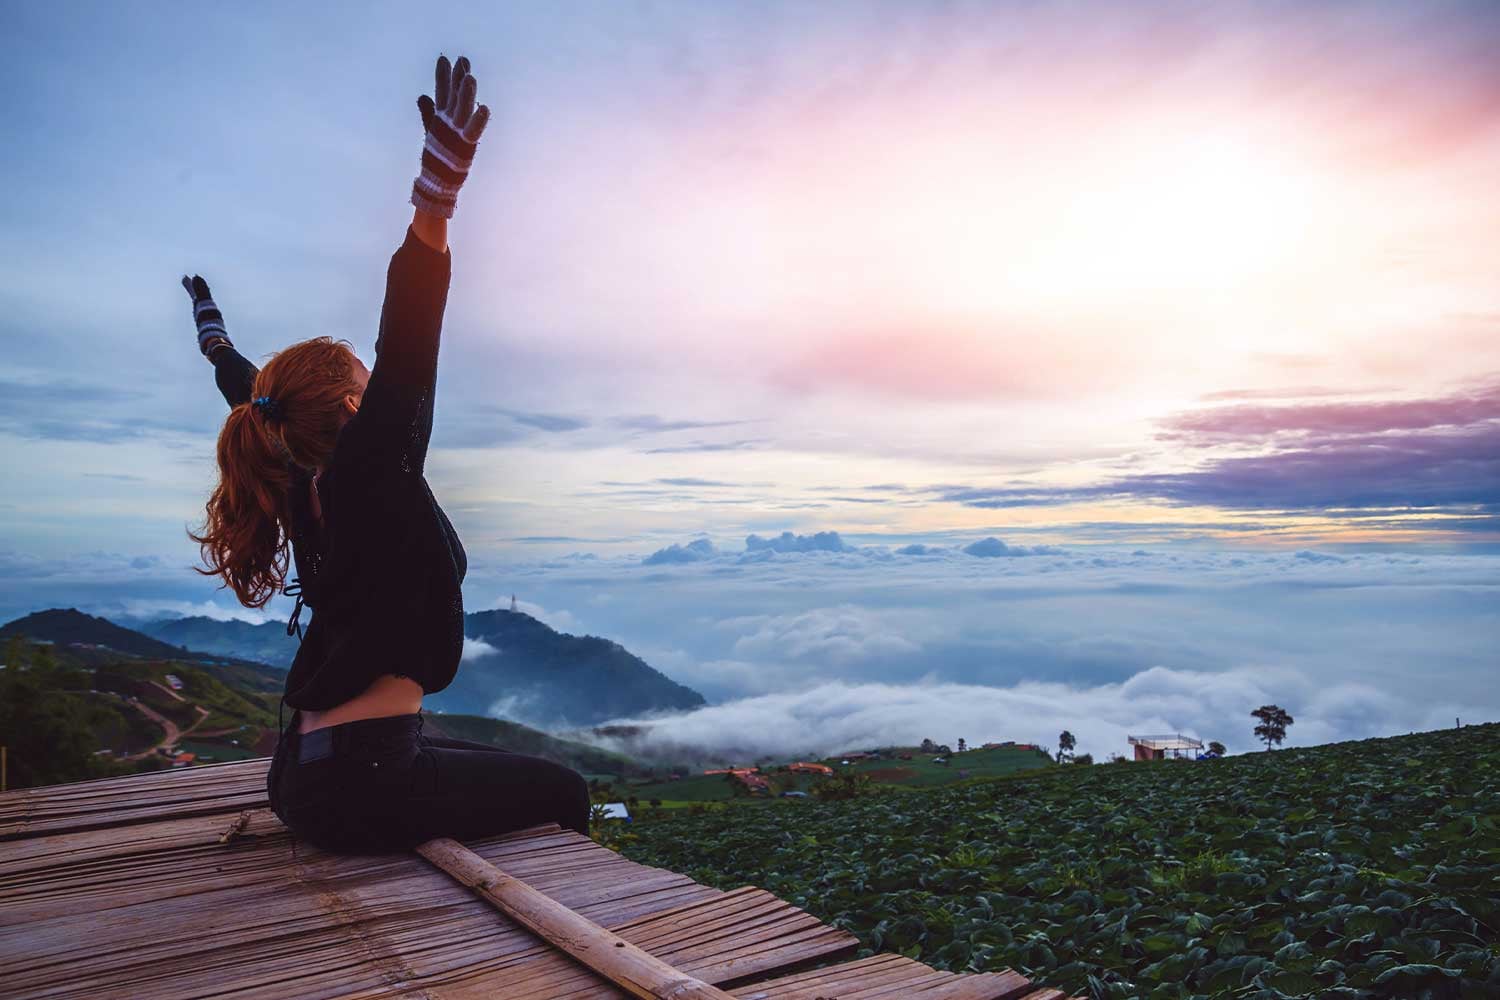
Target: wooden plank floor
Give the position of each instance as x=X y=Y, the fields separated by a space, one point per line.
x=127 y=887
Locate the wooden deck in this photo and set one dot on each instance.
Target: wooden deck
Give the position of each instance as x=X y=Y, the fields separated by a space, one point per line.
x=183 y=883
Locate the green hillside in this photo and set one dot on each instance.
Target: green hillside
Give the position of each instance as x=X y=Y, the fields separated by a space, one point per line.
x=71 y=712
x=1361 y=869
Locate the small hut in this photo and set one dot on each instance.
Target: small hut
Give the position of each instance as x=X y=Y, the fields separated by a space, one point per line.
x=1175 y=745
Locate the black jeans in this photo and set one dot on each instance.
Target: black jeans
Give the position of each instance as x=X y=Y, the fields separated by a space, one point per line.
x=376 y=785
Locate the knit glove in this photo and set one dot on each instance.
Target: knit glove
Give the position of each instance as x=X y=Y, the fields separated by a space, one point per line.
x=206 y=314
x=453 y=128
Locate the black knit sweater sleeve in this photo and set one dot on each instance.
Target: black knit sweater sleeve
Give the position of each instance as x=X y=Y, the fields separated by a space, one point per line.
x=234 y=375
x=396 y=411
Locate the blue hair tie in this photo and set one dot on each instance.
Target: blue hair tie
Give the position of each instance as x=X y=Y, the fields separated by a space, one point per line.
x=268 y=407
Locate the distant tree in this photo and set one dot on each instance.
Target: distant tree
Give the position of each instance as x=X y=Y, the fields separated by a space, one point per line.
x=1065 y=745
x=1084 y=758
x=962 y=746
x=1273 y=722
x=1217 y=748
x=928 y=746
x=844 y=785
x=656 y=803
x=942 y=748
x=15 y=653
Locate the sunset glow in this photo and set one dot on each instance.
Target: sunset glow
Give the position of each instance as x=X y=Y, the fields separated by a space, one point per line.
x=1189 y=308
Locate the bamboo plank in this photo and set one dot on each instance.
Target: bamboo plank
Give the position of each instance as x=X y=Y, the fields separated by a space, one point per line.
x=160 y=884
x=637 y=972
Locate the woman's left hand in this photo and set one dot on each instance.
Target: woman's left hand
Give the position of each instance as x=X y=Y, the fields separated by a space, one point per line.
x=206 y=315
x=453 y=126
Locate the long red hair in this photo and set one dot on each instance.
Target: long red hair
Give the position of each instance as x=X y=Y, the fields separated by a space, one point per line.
x=245 y=535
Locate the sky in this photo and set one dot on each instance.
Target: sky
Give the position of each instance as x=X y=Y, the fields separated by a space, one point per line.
x=936 y=352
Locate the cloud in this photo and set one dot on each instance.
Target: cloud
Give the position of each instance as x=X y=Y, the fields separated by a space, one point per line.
x=692 y=481
x=653 y=424
x=836 y=635
x=695 y=551
x=1441 y=453
x=822 y=541
x=475 y=649
x=917 y=549
x=149 y=610
x=552 y=423
x=1339 y=421
x=1307 y=555
x=68 y=410
x=833 y=717
x=991 y=548
x=698 y=446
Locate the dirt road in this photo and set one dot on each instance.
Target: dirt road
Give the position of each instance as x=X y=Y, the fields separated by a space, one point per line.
x=172 y=732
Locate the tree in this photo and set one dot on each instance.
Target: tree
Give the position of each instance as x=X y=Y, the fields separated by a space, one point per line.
x=1065 y=745
x=928 y=746
x=1084 y=758
x=1273 y=722
x=1216 y=748
x=844 y=785
x=962 y=746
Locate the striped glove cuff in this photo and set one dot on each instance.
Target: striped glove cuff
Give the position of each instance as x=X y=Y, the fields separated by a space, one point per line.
x=454 y=126
x=446 y=157
x=206 y=315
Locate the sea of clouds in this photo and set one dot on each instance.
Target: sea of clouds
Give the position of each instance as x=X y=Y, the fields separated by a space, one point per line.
x=822 y=642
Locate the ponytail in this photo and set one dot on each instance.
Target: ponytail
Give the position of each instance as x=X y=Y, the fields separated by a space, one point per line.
x=294 y=418
x=244 y=540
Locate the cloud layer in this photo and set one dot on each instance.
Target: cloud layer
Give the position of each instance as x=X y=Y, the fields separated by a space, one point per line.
x=830 y=718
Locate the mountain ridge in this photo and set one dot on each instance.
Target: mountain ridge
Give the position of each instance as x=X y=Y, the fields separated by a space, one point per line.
x=516 y=666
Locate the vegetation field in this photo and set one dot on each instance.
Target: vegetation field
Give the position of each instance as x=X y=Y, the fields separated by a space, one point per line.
x=1362 y=869
x=918 y=772
x=922 y=771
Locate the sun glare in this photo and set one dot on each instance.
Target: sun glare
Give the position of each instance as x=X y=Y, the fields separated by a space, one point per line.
x=1203 y=216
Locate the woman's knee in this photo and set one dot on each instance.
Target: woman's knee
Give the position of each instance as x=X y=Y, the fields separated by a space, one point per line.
x=571 y=785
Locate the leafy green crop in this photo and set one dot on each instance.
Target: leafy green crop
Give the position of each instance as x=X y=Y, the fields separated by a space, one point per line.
x=1364 y=869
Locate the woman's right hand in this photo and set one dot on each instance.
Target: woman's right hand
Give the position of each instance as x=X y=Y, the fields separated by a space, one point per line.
x=453 y=126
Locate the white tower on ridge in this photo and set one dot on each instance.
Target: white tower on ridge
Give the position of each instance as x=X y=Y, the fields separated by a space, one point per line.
x=513 y=607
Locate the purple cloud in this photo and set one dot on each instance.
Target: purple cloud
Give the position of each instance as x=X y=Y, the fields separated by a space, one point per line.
x=1252 y=423
x=1434 y=453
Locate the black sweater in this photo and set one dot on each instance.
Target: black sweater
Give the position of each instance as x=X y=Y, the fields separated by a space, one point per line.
x=382 y=571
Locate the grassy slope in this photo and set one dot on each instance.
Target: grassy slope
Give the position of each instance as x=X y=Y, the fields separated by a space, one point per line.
x=1367 y=868
x=239 y=701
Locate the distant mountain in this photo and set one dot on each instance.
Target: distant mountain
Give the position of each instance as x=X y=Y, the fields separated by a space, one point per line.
x=547 y=678
x=518 y=668
x=69 y=625
x=264 y=643
x=90 y=641
x=71 y=711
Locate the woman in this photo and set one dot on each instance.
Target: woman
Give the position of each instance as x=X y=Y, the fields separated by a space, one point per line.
x=325 y=457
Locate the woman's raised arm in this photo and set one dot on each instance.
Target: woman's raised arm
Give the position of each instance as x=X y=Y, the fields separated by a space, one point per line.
x=233 y=374
x=395 y=415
